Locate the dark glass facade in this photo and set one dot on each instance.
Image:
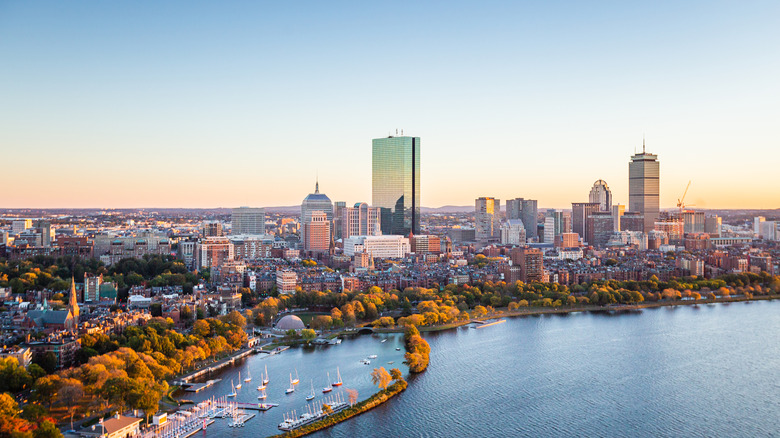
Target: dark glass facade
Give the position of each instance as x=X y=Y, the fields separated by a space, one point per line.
x=396 y=183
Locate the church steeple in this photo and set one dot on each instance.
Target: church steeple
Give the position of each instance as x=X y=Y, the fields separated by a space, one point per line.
x=73 y=304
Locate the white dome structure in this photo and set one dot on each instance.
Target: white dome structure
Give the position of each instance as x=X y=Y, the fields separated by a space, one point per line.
x=290 y=322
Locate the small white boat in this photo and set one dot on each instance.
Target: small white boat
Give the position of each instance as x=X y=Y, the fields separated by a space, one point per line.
x=248 y=377
x=262 y=395
x=233 y=393
x=373 y=356
x=383 y=341
x=239 y=381
x=391 y=362
x=291 y=389
x=310 y=397
x=365 y=362
x=296 y=380
x=261 y=388
x=328 y=388
x=338 y=381
x=266 y=379
x=397 y=348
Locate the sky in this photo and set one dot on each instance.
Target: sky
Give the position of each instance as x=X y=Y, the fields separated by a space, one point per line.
x=221 y=104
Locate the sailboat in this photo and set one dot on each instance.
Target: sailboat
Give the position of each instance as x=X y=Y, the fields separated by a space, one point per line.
x=310 y=397
x=328 y=388
x=291 y=388
x=248 y=376
x=295 y=382
x=233 y=393
x=266 y=379
x=338 y=381
x=262 y=395
x=239 y=381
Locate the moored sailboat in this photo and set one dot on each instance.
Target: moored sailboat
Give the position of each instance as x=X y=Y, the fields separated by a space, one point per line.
x=338 y=381
x=328 y=388
x=310 y=397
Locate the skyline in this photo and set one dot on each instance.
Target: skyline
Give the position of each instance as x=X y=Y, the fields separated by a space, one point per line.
x=179 y=105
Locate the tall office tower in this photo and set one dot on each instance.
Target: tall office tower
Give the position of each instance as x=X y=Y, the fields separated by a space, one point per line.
x=314 y=202
x=525 y=210
x=338 y=207
x=617 y=213
x=756 y=225
x=559 y=222
x=487 y=219
x=513 y=232
x=396 y=183
x=643 y=187
x=317 y=232
x=211 y=228
x=712 y=226
x=360 y=220
x=549 y=229
x=599 y=228
x=247 y=220
x=601 y=194
x=580 y=211
x=693 y=221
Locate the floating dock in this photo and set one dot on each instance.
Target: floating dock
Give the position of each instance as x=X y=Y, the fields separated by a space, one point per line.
x=483 y=324
x=197 y=387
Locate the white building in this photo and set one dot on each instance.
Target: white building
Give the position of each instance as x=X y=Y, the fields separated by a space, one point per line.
x=286 y=282
x=513 y=232
x=387 y=247
x=20 y=225
x=360 y=220
x=246 y=220
x=487 y=219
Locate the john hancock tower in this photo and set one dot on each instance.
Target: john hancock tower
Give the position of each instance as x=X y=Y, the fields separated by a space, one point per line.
x=396 y=183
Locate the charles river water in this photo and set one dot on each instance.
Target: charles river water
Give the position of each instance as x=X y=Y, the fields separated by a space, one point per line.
x=707 y=370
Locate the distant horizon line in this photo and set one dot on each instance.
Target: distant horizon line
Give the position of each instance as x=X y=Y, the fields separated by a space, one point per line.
x=288 y=207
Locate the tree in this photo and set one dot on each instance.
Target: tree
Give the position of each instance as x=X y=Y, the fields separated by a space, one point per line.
x=352 y=394
x=155 y=309
x=47 y=429
x=396 y=375
x=8 y=406
x=33 y=412
x=46 y=361
x=235 y=318
x=380 y=377
x=69 y=396
x=308 y=335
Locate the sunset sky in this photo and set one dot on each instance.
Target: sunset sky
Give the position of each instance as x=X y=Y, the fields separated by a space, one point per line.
x=221 y=104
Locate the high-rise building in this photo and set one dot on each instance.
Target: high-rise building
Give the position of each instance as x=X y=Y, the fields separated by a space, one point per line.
x=632 y=221
x=513 y=232
x=92 y=287
x=338 y=208
x=213 y=251
x=315 y=202
x=531 y=263
x=426 y=244
x=316 y=233
x=211 y=228
x=487 y=218
x=712 y=226
x=693 y=221
x=247 y=220
x=525 y=210
x=599 y=228
x=617 y=213
x=580 y=211
x=756 y=225
x=601 y=194
x=396 y=183
x=643 y=187
x=360 y=220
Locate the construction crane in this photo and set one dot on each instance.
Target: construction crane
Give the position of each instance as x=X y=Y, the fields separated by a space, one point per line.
x=680 y=201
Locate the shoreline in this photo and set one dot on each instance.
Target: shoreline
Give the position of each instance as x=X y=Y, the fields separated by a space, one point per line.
x=534 y=311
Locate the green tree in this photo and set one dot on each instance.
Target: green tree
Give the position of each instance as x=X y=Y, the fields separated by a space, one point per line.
x=396 y=375
x=47 y=429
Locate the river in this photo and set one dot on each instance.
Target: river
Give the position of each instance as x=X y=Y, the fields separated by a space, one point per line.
x=707 y=370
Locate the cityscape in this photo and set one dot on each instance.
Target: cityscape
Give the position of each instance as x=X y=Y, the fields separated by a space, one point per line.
x=379 y=291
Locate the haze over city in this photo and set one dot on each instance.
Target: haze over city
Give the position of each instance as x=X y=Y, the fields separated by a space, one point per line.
x=208 y=105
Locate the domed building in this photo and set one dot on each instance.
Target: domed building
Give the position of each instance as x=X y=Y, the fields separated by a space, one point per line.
x=290 y=322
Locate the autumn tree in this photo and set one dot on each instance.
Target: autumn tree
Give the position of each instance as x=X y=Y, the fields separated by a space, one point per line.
x=380 y=377
x=396 y=375
x=352 y=394
x=69 y=396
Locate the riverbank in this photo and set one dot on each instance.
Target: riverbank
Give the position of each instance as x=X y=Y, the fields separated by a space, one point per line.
x=533 y=311
x=359 y=408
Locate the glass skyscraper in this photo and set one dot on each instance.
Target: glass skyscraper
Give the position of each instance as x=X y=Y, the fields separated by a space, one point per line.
x=396 y=183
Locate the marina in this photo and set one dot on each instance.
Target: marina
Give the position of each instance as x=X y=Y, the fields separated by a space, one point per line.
x=329 y=406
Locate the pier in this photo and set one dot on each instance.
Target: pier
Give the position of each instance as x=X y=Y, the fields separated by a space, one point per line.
x=185 y=380
x=483 y=324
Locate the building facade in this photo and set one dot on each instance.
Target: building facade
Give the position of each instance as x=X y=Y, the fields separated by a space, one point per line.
x=644 y=187
x=246 y=220
x=396 y=183
x=487 y=219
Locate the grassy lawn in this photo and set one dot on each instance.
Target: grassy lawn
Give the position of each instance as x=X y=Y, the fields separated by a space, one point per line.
x=306 y=317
